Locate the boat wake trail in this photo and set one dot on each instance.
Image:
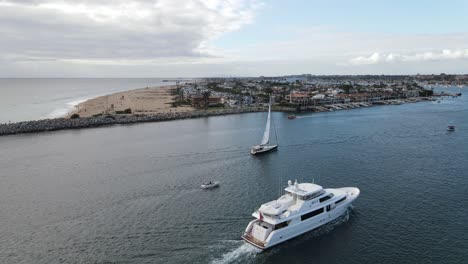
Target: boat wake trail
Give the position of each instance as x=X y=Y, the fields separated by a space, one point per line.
x=240 y=254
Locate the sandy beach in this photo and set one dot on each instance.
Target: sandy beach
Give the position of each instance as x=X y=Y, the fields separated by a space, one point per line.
x=150 y=100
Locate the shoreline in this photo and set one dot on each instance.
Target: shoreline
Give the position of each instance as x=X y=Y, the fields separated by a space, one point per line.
x=149 y=100
x=27 y=99
x=66 y=109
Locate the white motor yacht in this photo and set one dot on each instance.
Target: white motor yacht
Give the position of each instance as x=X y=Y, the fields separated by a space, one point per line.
x=303 y=207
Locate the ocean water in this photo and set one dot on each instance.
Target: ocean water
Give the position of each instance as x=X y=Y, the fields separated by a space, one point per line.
x=131 y=194
x=32 y=99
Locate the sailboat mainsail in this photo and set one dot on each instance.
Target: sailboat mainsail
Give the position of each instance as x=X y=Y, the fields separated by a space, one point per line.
x=264 y=147
x=266 y=134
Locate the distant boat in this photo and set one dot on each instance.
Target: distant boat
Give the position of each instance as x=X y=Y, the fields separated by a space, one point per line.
x=210 y=185
x=451 y=128
x=264 y=147
x=291 y=117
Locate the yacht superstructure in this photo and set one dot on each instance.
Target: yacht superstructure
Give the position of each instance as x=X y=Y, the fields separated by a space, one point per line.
x=303 y=207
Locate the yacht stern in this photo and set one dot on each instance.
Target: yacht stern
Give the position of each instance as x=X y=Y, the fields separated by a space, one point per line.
x=257 y=233
x=253 y=241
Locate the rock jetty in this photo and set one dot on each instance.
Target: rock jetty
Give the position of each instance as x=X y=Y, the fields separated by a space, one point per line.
x=108 y=120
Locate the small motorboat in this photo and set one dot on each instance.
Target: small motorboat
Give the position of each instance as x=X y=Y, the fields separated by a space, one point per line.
x=210 y=185
x=451 y=128
x=291 y=117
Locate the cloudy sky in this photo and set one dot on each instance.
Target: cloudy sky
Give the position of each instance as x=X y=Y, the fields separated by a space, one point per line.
x=198 y=38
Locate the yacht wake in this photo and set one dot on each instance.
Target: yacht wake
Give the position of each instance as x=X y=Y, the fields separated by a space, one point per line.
x=239 y=255
x=244 y=253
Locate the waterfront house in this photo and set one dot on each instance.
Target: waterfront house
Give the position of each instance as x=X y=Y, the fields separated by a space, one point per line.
x=300 y=98
x=200 y=101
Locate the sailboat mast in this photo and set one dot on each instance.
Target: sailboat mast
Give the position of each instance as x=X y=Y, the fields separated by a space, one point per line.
x=276 y=134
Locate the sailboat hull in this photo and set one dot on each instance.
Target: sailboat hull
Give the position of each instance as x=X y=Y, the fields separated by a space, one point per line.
x=256 y=150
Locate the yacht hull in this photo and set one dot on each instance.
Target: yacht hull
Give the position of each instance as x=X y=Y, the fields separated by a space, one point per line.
x=300 y=229
x=282 y=235
x=265 y=149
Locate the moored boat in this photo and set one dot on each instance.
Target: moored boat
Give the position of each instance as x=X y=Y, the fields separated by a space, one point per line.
x=303 y=207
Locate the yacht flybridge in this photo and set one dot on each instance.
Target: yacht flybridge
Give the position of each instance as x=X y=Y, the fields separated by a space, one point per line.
x=303 y=207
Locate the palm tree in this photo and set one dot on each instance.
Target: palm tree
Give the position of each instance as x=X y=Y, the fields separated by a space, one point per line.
x=284 y=92
x=206 y=97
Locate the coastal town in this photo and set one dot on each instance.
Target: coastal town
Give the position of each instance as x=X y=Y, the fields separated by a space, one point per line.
x=222 y=96
x=314 y=93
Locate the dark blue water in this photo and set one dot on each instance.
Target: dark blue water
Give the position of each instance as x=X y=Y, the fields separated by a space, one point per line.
x=130 y=194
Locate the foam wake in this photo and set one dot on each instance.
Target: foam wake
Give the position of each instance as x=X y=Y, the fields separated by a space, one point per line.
x=240 y=254
x=244 y=253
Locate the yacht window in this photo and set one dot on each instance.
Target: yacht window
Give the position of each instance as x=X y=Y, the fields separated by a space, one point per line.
x=340 y=200
x=312 y=196
x=311 y=214
x=323 y=199
x=280 y=225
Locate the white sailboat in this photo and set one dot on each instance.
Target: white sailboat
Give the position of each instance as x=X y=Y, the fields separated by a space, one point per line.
x=264 y=146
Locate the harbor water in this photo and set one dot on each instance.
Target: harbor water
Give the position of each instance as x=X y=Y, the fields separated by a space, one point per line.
x=131 y=194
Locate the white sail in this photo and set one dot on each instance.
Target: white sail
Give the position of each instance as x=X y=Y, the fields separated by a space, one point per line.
x=266 y=134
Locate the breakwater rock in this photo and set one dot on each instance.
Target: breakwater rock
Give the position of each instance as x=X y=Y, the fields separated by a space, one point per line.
x=107 y=120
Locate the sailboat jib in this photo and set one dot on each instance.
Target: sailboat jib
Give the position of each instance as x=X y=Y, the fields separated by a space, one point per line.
x=266 y=133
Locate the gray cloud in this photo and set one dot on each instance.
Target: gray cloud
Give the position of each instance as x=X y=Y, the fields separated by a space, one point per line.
x=117 y=29
x=377 y=58
x=138 y=38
